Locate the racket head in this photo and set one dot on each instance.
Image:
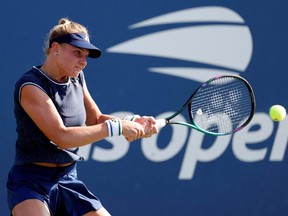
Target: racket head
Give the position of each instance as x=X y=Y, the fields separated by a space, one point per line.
x=223 y=105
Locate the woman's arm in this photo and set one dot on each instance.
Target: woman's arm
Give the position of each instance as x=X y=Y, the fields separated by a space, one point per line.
x=42 y=111
x=93 y=114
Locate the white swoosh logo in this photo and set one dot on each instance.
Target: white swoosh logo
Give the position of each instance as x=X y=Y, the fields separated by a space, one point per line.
x=227 y=44
x=201 y=14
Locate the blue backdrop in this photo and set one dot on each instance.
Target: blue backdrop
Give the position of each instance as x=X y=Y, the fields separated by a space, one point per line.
x=154 y=54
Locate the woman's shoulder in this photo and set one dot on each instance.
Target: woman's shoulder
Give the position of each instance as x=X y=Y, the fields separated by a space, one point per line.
x=33 y=75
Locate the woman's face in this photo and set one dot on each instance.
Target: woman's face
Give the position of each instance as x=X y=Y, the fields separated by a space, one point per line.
x=71 y=60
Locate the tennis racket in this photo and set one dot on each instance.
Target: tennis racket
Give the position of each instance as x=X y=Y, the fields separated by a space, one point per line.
x=222 y=105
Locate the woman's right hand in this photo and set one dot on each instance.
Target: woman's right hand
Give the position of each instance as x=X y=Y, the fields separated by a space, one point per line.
x=132 y=130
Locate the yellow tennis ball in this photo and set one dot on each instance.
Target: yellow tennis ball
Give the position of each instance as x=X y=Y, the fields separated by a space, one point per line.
x=277 y=113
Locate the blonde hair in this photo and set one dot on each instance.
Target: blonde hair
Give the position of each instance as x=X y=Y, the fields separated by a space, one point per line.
x=65 y=26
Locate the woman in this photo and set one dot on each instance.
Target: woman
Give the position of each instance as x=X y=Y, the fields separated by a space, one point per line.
x=55 y=114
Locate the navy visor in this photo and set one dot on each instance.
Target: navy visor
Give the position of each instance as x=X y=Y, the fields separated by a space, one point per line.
x=80 y=40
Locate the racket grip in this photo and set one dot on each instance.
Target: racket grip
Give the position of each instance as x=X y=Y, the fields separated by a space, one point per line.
x=160 y=123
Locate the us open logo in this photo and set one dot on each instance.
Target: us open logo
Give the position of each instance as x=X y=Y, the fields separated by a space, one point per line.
x=218 y=39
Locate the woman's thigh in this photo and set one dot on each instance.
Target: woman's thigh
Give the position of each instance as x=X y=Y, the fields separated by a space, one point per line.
x=31 y=207
x=100 y=212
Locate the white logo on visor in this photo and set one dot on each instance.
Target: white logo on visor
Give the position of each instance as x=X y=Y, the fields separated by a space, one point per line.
x=86 y=38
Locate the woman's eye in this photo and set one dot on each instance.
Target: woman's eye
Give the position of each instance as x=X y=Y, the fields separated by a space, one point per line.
x=80 y=53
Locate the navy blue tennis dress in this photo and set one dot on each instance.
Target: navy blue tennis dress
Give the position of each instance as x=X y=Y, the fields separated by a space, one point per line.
x=58 y=187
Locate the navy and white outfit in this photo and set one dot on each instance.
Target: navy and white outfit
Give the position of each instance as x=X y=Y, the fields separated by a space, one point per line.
x=58 y=187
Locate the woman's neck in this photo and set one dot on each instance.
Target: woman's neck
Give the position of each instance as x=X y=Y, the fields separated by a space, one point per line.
x=53 y=74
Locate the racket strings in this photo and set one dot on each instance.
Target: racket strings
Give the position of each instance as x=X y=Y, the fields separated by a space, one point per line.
x=222 y=105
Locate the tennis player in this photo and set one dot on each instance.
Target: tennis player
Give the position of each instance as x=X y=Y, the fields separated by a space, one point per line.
x=55 y=113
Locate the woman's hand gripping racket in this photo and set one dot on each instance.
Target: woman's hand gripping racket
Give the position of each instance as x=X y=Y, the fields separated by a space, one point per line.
x=222 y=105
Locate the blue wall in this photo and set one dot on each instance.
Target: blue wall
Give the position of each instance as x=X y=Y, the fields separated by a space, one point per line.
x=154 y=54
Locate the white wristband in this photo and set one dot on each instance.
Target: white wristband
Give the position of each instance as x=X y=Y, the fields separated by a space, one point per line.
x=114 y=127
x=131 y=117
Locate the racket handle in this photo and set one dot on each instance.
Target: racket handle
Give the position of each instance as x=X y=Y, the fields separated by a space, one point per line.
x=160 y=123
